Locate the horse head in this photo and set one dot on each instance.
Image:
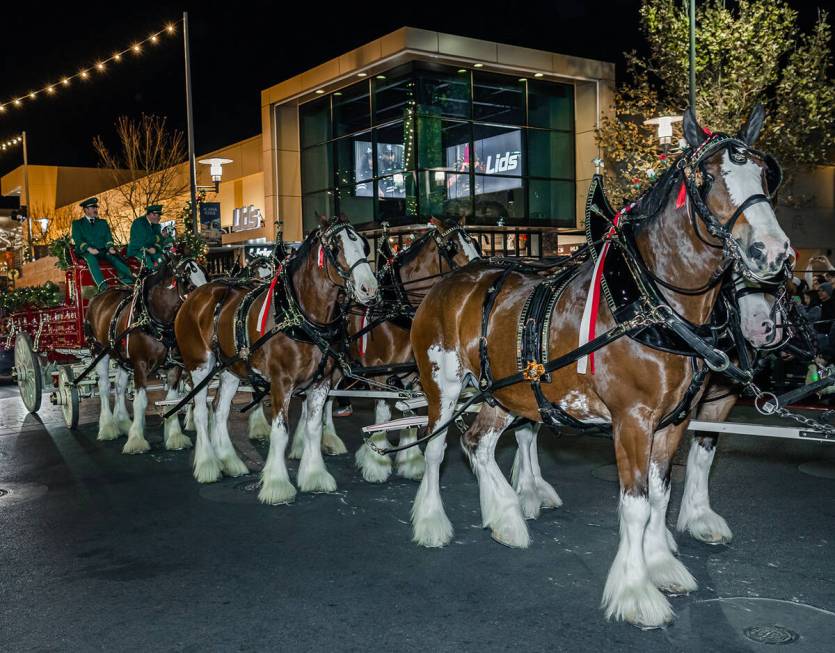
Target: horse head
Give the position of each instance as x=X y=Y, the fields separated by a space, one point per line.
x=460 y=245
x=347 y=251
x=731 y=186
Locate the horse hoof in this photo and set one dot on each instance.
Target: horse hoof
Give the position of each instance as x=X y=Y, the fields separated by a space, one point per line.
x=374 y=467
x=234 y=466
x=432 y=530
x=530 y=503
x=641 y=605
x=333 y=445
x=207 y=471
x=135 y=445
x=318 y=482
x=178 y=442
x=513 y=534
x=671 y=576
x=412 y=468
x=124 y=426
x=277 y=493
x=709 y=528
x=548 y=496
x=108 y=431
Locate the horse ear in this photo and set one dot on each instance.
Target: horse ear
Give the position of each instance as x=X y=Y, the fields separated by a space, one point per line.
x=748 y=134
x=693 y=133
x=323 y=219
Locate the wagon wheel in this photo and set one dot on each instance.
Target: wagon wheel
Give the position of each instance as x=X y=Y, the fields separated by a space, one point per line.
x=68 y=393
x=28 y=372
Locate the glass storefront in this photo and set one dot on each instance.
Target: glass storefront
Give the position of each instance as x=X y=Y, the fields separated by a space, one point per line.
x=425 y=140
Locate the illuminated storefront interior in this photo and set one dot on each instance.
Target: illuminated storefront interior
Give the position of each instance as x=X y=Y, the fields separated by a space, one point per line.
x=424 y=140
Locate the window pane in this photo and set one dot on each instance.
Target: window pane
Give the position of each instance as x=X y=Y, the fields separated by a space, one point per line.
x=445 y=194
x=498 y=150
x=497 y=98
x=315 y=205
x=443 y=91
x=351 y=110
x=443 y=144
x=314 y=122
x=317 y=168
x=393 y=95
x=550 y=105
x=354 y=161
x=356 y=202
x=550 y=154
x=397 y=196
x=395 y=148
x=498 y=197
x=552 y=202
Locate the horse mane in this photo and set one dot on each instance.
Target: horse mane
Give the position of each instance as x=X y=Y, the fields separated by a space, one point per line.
x=655 y=198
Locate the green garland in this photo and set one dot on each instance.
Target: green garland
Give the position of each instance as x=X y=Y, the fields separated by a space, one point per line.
x=190 y=244
x=48 y=295
x=60 y=248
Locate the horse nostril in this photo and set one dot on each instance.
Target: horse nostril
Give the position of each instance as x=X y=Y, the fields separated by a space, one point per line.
x=757 y=251
x=768 y=327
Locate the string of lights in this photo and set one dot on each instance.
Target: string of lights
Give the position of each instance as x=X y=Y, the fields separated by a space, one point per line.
x=99 y=66
x=11 y=142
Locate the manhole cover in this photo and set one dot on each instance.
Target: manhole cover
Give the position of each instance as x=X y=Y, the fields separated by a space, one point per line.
x=610 y=473
x=770 y=634
x=819 y=468
x=13 y=493
x=751 y=624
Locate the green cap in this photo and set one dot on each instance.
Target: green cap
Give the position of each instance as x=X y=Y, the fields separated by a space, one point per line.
x=93 y=201
x=154 y=208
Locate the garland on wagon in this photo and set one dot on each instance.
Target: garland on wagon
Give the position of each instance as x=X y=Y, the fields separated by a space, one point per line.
x=47 y=295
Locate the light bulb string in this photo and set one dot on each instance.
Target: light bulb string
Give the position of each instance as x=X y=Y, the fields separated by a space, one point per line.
x=100 y=66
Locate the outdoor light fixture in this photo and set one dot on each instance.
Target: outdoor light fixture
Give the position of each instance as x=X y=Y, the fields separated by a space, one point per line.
x=117 y=56
x=665 y=128
x=478 y=65
x=84 y=74
x=539 y=75
x=65 y=81
x=44 y=223
x=215 y=170
x=99 y=65
x=319 y=91
x=362 y=74
x=32 y=96
x=439 y=176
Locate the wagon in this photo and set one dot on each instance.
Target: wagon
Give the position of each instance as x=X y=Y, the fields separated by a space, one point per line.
x=50 y=346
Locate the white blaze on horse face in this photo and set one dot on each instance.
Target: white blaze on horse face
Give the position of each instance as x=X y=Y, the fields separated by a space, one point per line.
x=755 y=319
x=742 y=181
x=196 y=275
x=467 y=247
x=365 y=283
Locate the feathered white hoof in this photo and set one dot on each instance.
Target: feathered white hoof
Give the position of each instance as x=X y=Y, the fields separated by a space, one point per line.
x=136 y=444
x=177 y=441
x=529 y=502
x=374 y=467
x=512 y=531
x=707 y=527
x=296 y=447
x=332 y=444
x=412 y=466
x=207 y=470
x=432 y=530
x=671 y=576
x=124 y=425
x=259 y=427
x=641 y=604
x=318 y=481
x=108 y=430
x=671 y=542
x=233 y=466
x=276 y=493
x=548 y=496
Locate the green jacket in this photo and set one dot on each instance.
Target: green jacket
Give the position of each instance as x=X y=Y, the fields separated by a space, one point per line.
x=86 y=234
x=144 y=234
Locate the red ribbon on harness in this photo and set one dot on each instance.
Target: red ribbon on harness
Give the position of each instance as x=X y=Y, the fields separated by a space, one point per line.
x=321 y=257
x=682 y=196
x=264 y=315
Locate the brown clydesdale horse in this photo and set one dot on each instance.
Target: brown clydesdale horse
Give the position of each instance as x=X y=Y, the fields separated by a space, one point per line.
x=404 y=278
x=331 y=261
x=155 y=302
x=686 y=241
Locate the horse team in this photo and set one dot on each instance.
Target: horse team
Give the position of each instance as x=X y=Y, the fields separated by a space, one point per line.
x=279 y=335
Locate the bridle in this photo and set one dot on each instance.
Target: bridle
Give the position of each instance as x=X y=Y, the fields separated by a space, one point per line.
x=447 y=246
x=182 y=272
x=329 y=245
x=697 y=183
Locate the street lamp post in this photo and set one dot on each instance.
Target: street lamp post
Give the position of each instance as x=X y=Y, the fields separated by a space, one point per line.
x=26 y=195
x=192 y=168
x=693 y=55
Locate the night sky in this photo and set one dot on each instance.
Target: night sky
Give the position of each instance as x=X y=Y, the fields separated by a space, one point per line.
x=238 y=49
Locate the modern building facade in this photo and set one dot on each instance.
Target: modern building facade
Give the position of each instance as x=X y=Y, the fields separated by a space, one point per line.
x=419 y=124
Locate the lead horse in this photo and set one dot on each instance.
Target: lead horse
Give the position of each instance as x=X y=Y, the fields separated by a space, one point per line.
x=710 y=211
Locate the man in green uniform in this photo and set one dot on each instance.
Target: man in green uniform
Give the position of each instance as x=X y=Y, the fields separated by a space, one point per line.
x=94 y=242
x=146 y=238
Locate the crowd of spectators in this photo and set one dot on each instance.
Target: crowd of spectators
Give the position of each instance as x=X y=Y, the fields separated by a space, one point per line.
x=818 y=306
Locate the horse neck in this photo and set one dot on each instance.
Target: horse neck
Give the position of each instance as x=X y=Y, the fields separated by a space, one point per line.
x=164 y=302
x=672 y=250
x=315 y=291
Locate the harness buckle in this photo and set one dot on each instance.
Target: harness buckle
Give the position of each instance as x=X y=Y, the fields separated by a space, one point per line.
x=533 y=371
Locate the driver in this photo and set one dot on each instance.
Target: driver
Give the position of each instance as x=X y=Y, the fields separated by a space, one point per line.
x=94 y=242
x=147 y=240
